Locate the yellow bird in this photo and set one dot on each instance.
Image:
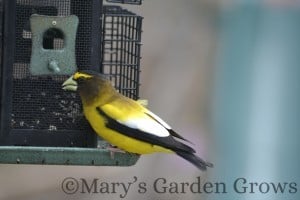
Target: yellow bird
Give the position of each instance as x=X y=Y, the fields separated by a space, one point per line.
x=124 y=122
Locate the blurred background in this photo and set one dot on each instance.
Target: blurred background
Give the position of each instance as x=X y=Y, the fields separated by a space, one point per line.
x=224 y=74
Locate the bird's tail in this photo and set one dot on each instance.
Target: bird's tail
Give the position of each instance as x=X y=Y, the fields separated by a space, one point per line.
x=195 y=160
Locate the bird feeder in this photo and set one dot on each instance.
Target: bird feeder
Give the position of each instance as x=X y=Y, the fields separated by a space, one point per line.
x=42 y=43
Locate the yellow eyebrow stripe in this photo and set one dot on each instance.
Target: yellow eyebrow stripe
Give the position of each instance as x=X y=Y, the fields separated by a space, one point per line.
x=78 y=75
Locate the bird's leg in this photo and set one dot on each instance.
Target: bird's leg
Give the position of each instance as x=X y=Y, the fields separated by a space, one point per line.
x=113 y=150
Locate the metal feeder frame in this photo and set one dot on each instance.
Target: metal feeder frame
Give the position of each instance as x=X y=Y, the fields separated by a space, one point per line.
x=46 y=124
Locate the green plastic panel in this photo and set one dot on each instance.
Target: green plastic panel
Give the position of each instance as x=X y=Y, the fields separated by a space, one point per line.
x=53 y=44
x=64 y=156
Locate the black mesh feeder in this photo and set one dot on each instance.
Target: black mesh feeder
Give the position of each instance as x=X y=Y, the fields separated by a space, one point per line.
x=42 y=43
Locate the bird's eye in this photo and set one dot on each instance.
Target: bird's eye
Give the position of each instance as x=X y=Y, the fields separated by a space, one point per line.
x=80 y=79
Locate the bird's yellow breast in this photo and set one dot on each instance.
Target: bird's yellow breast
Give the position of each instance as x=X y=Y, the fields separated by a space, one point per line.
x=118 y=139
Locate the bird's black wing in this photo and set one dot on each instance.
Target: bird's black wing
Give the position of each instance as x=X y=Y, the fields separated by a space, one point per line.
x=171 y=131
x=167 y=142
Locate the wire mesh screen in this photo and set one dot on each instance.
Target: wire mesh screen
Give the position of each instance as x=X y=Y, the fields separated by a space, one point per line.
x=121 y=49
x=137 y=2
x=38 y=102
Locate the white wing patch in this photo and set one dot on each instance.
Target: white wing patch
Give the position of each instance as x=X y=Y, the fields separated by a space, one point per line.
x=157 y=118
x=148 y=125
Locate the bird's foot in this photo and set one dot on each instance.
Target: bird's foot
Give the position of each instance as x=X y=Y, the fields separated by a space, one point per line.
x=113 y=150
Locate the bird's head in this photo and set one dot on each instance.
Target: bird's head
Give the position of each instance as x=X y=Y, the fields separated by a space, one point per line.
x=89 y=84
x=79 y=80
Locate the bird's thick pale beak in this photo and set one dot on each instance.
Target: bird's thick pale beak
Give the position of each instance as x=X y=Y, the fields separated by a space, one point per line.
x=70 y=84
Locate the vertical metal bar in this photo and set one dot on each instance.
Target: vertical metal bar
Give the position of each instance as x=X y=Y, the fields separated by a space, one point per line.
x=137 y=55
x=122 y=83
x=128 y=62
x=131 y=58
x=96 y=31
x=119 y=55
x=1 y=46
x=137 y=71
x=102 y=39
x=111 y=52
x=7 y=66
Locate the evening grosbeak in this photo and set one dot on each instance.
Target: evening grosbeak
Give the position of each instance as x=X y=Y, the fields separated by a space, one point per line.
x=124 y=122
